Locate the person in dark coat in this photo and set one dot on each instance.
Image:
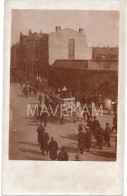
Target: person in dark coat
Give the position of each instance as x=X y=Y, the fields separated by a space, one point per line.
x=90 y=125
x=107 y=133
x=99 y=136
x=81 y=140
x=63 y=155
x=87 y=139
x=52 y=148
x=44 y=117
x=44 y=142
x=25 y=91
x=95 y=126
x=40 y=130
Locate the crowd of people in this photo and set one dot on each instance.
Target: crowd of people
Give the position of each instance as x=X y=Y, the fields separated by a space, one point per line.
x=87 y=132
x=50 y=147
x=92 y=129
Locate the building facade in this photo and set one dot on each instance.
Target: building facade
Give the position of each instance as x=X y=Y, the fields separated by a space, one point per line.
x=109 y=53
x=36 y=52
x=63 y=58
x=68 y=44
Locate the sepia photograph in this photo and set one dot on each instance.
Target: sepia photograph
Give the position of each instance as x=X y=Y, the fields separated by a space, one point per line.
x=63 y=120
x=64 y=85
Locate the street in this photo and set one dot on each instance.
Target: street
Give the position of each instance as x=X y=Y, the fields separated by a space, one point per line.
x=23 y=143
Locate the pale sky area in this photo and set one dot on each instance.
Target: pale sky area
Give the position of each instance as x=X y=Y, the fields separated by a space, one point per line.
x=101 y=27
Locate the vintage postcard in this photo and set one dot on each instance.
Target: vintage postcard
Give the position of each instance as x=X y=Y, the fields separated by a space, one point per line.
x=64 y=95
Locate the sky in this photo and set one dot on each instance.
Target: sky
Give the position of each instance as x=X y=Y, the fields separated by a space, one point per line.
x=101 y=27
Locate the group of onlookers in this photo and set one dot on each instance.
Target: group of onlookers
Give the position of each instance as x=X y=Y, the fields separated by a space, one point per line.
x=98 y=101
x=93 y=130
x=28 y=90
x=50 y=147
x=87 y=133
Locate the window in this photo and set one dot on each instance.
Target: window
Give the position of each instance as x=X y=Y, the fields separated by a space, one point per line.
x=71 y=48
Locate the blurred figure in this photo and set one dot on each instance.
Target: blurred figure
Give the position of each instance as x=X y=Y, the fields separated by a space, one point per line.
x=25 y=91
x=40 y=130
x=81 y=140
x=77 y=157
x=40 y=98
x=87 y=139
x=63 y=155
x=107 y=133
x=52 y=148
x=44 y=142
x=90 y=125
x=95 y=126
x=99 y=136
x=108 y=104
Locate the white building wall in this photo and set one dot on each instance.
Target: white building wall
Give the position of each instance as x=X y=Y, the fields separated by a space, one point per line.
x=58 y=45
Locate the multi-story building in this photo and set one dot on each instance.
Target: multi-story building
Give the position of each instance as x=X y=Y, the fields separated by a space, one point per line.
x=36 y=52
x=110 y=53
x=67 y=59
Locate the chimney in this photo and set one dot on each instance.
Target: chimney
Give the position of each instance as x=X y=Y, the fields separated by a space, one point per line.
x=81 y=30
x=58 y=28
x=30 y=32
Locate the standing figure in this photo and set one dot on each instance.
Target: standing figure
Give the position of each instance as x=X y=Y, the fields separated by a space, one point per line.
x=40 y=98
x=90 y=125
x=87 y=139
x=107 y=133
x=63 y=155
x=81 y=140
x=43 y=117
x=108 y=105
x=99 y=136
x=95 y=126
x=38 y=112
x=25 y=91
x=52 y=148
x=40 y=130
x=115 y=123
x=44 y=142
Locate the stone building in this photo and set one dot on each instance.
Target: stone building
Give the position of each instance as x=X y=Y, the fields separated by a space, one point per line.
x=68 y=44
x=37 y=51
x=63 y=58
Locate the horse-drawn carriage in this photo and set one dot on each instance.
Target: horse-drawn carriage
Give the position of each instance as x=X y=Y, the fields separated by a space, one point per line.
x=63 y=106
